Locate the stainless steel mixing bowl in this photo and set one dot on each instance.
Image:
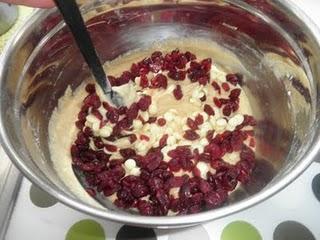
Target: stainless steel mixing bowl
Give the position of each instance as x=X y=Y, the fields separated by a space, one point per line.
x=276 y=43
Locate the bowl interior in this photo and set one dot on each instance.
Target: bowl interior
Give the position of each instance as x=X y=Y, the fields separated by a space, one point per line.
x=275 y=63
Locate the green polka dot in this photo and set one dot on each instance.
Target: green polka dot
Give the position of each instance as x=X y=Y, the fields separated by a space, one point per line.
x=40 y=198
x=86 y=230
x=240 y=230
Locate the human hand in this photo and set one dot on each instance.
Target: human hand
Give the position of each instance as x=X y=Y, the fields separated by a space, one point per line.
x=32 y=3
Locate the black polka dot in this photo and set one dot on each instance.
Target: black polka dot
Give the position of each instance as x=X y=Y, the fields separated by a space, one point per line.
x=135 y=233
x=291 y=230
x=316 y=186
x=40 y=198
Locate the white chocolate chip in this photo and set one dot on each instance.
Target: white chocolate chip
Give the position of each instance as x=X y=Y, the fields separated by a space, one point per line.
x=236 y=120
x=201 y=94
x=92 y=119
x=203 y=168
x=96 y=126
x=153 y=109
x=105 y=131
x=168 y=116
x=221 y=123
x=165 y=151
x=135 y=171
x=204 y=129
x=130 y=164
x=169 y=131
x=185 y=128
x=204 y=142
x=230 y=128
x=185 y=142
x=195 y=93
x=205 y=116
x=171 y=140
x=141 y=146
x=137 y=124
x=171 y=88
x=177 y=136
x=212 y=121
x=196 y=102
x=146 y=127
x=145 y=116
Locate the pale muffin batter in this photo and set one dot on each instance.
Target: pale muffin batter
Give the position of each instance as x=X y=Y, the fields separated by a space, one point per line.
x=174 y=113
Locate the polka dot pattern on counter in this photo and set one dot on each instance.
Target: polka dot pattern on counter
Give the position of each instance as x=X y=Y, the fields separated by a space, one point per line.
x=292 y=230
x=135 y=233
x=240 y=230
x=86 y=230
x=316 y=186
x=40 y=198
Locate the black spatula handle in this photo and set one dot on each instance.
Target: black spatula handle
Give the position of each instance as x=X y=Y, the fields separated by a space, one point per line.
x=73 y=18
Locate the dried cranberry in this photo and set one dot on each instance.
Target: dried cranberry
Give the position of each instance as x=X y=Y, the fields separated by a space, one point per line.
x=225 y=87
x=174 y=165
x=217 y=102
x=140 y=190
x=177 y=75
x=80 y=124
x=215 y=199
x=127 y=152
x=204 y=80
x=206 y=64
x=163 y=141
x=204 y=186
x=234 y=79
x=132 y=138
x=234 y=94
x=229 y=179
x=161 y=122
x=216 y=86
x=177 y=92
x=155 y=184
x=144 y=82
x=145 y=208
x=111 y=148
x=190 y=56
x=133 y=111
x=135 y=70
x=227 y=109
x=209 y=135
x=144 y=103
x=209 y=110
x=91 y=192
x=90 y=88
x=214 y=150
x=144 y=138
x=191 y=135
x=113 y=116
x=192 y=124
x=199 y=119
x=159 y=81
x=92 y=100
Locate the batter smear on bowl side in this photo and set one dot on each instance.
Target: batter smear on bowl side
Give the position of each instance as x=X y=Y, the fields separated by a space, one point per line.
x=182 y=144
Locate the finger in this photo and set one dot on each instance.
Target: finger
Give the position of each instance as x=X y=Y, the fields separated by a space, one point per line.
x=32 y=3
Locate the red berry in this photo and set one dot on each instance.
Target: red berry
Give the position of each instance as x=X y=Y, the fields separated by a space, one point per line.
x=161 y=122
x=225 y=87
x=144 y=103
x=209 y=110
x=191 y=135
x=177 y=92
x=159 y=81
